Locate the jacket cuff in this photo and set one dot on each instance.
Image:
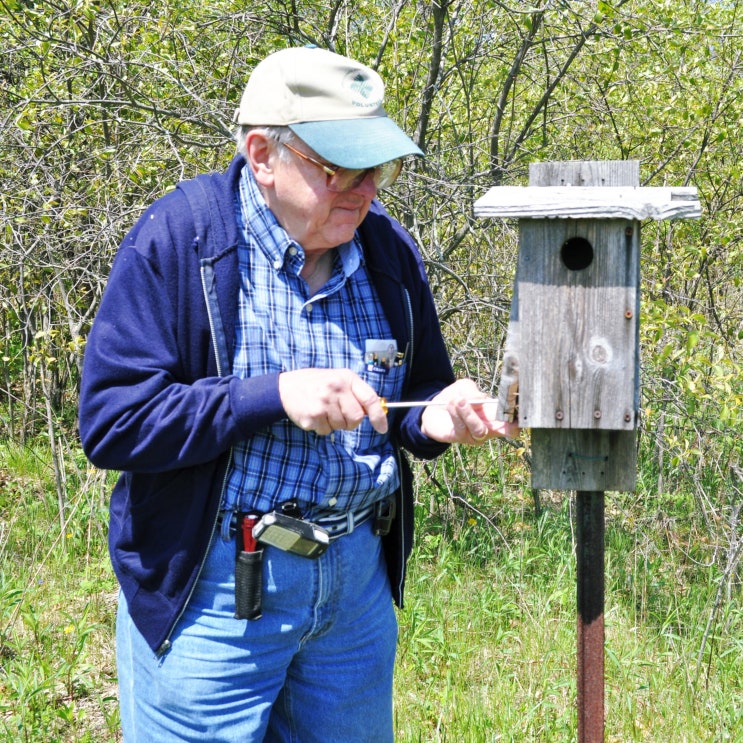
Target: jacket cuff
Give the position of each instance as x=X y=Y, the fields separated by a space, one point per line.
x=256 y=402
x=415 y=441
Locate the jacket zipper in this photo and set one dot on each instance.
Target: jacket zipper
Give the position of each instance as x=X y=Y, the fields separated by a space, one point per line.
x=411 y=342
x=166 y=644
x=401 y=523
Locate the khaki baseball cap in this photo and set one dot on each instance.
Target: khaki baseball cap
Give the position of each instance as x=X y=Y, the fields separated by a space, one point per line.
x=332 y=103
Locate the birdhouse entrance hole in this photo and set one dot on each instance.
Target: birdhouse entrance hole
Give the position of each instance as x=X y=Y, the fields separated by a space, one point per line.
x=576 y=253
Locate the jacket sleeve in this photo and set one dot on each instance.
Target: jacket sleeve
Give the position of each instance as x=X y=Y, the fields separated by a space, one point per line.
x=151 y=399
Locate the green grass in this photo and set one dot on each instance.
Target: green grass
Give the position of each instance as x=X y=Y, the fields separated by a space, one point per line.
x=487 y=638
x=57 y=604
x=487 y=642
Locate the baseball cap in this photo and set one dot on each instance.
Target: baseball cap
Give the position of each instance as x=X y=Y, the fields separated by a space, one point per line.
x=331 y=102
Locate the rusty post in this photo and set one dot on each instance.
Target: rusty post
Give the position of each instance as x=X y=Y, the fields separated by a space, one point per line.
x=590 y=569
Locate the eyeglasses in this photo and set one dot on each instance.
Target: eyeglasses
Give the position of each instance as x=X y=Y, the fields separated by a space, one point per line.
x=344 y=179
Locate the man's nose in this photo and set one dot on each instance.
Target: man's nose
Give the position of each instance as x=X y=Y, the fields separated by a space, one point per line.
x=367 y=187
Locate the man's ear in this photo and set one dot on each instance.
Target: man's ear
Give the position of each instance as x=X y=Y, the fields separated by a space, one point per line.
x=261 y=157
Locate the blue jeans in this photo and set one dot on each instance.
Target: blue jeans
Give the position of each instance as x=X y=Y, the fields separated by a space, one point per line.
x=317 y=666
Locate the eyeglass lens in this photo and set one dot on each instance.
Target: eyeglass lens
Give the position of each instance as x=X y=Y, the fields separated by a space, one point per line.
x=383 y=175
x=344 y=179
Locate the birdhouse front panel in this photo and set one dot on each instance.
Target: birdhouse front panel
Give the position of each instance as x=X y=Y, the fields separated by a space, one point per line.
x=578 y=290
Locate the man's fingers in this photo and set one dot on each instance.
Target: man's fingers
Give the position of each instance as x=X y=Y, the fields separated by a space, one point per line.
x=371 y=404
x=326 y=400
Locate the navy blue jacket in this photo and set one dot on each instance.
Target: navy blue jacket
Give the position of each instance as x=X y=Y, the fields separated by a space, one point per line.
x=158 y=401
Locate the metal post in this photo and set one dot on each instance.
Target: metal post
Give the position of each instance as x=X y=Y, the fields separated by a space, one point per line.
x=590 y=569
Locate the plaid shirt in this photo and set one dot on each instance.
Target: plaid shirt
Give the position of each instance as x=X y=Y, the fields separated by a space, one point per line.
x=281 y=327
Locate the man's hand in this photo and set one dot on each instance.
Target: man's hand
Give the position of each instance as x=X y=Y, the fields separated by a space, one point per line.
x=463 y=422
x=326 y=400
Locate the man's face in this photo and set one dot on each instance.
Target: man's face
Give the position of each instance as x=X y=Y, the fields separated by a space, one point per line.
x=297 y=194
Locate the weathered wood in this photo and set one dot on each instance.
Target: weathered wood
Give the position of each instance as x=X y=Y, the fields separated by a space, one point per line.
x=571 y=344
x=509 y=387
x=583 y=460
x=584 y=202
x=579 y=353
x=585 y=173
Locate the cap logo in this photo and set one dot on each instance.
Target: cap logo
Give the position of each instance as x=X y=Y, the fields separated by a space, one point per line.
x=364 y=91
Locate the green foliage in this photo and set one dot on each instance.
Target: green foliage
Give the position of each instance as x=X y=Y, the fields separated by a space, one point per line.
x=111 y=103
x=106 y=104
x=57 y=600
x=487 y=647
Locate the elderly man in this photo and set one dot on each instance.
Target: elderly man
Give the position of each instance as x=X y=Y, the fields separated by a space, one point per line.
x=254 y=325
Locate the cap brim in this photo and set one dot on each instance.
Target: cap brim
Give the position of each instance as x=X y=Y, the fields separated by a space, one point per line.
x=357 y=143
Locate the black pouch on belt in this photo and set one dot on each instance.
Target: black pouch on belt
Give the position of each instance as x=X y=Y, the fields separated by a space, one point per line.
x=248 y=569
x=385 y=511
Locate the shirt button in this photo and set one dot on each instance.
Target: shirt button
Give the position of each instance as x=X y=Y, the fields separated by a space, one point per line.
x=332 y=501
x=292 y=250
x=309 y=309
x=277 y=264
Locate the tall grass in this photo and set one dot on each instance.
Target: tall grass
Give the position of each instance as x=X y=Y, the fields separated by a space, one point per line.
x=57 y=603
x=487 y=638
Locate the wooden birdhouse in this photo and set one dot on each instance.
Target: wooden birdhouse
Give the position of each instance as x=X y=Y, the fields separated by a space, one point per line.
x=571 y=361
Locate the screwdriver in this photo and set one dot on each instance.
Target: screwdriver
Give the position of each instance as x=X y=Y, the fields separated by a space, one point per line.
x=387 y=406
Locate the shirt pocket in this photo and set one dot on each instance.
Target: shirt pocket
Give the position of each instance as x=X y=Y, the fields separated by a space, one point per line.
x=387 y=382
